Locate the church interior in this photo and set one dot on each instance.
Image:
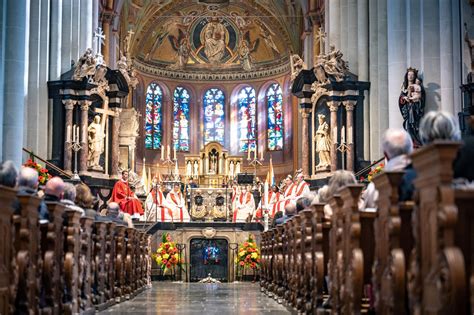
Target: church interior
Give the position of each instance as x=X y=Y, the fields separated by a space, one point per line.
x=237 y=156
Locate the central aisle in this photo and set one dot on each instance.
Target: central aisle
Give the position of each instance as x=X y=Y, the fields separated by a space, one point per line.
x=198 y=298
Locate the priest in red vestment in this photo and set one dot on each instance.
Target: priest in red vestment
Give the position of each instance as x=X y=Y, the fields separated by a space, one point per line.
x=290 y=189
x=126 y=198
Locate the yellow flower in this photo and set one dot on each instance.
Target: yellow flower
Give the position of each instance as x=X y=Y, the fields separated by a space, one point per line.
x=176 y=256
x=166 y=256
x=254 y=255
x=242 y=253
x=158 y=260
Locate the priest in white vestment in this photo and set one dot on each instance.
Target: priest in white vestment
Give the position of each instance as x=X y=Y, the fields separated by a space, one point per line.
x=244 y=205
x=301 y=187
x=288 y=195
x=177 y=203
x=156 y=206
x=272 y=200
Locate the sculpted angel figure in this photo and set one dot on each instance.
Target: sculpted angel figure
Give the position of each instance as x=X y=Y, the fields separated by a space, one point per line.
x=85 y=66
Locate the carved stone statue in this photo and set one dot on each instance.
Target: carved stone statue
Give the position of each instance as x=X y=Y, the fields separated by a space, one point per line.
x=412 y=103
x=196 y=169
x=297 y=64
x=323 y=144
x=470 y=44
x=189 y=169
x=85 y=66
x=96 y=143
x=331 y=67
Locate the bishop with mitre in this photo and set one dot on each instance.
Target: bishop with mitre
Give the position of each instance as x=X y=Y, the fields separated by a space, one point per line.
x=244 y=205
x=156 y=205
x=177 y=203
x=126 y=198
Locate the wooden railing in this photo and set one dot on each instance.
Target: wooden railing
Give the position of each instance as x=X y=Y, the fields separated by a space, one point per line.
x=48 y=164
x=410 y=257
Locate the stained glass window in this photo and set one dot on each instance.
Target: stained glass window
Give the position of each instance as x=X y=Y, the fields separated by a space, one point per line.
x=153 y=117
x=275 y=117
x=214 y=100
x=181 y=119
x=246 y=119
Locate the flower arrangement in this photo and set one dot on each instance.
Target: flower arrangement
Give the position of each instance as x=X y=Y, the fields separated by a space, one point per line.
x=167 y=255
x=43 y=174
x=376 y=170
x=248 y=254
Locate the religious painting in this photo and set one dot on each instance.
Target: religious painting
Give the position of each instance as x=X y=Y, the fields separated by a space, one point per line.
x=214 y=123
x=181 y=100
x=246 y=119
x=214 y=40
x=208 y=256
x=275 y=118
x=153 y=119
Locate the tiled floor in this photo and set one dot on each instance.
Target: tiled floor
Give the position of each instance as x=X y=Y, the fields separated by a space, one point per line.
x=199 y=298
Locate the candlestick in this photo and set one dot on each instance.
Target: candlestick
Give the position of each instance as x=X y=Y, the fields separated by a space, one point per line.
x=77 y=133
x=174 y=151
x=343 y=135
x=73 y=133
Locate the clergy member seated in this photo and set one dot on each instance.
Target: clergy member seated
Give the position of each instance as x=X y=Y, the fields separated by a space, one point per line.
x=126 y=198
x=272 y=199
x=156 y=205
x=288 y=194
x=244 y=205
x=302 y=187
x=177 y=204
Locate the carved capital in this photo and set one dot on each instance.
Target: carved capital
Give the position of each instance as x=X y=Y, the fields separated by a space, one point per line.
x=85 y=104
x=305 y=112
x=69 y=104
x=333 y=106
x=349 y=105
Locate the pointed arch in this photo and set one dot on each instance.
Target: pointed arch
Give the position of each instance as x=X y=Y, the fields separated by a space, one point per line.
x=181 y=103
x=214 y=115
x=275 y=119
x=153 y=116
x=246 y=115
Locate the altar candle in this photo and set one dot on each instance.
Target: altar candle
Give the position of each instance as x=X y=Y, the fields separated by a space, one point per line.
x=248 y=153
x=74 y=133
x=68 y=133
x=77 y=134
x=174 y=151
x=343 y=135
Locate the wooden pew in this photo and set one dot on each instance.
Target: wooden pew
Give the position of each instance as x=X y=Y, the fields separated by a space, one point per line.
x=85 y=266
x=7 y=263
x=335 y=264
x=110 y=263
x=279 y=278
x=308 y=275
x=71 y=261
x=298 y=270
x=436 y=278
x=98 y=264
x=264 y=260
x=120 y=250
x=321 y=253
x=289 y=261
x=129 y=271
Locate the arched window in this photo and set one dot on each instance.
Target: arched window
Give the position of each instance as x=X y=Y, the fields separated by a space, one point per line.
x=153 y=118
x=246 y=119
x=213 y=102
x=181 y=119
x=275 y=117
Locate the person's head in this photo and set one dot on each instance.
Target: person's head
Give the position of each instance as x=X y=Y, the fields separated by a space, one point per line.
x=439 y=125
x=396 y=142
x=275 y=188
x=243 y=188
x=28 y=178
x=418 y=81
x=303 y=202
x=69 y=192
x=125 y=175
x=55 y=187
x=299 y=177
x=8 y=174
x=290 y=209
x=289 y=180
x=113 y=209
x=339 y=180
x=84 y=197
x=190 y=180
x=323 y=194
x=176 y=187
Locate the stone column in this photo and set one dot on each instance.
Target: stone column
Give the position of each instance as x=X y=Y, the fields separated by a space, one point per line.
x=69 y=106
x=84 y=136
x=333 y=107
x=305 y=114
x=343 y=31
x=115 y=143
x=55 y=39
x=16 y=33
x=76 y=23
x=2 y=65
x=363 y=65
x=352 y=36
x=85 y=37
x=66 y=36
x=447 y=78
x=350 y=134
x=334 y=24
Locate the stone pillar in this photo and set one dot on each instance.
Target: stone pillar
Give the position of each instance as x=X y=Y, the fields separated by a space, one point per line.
x=334 y=24
x=343 y=31
x=17 y=15
x=44 y=68
x=447 y=66
x=305 y=138
x=363 y=65
x=69 y=106
x=56 y=36
x=115 y=143
x=66 y=36
x=84 y=142
x=333 y=107
x=382 y=56
x=352 y=36
x=350 y=134
x=76 y=23
x=85 y=37
x=95 y=15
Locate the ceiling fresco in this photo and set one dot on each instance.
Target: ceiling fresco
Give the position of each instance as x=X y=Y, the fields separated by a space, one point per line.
x=237 y=36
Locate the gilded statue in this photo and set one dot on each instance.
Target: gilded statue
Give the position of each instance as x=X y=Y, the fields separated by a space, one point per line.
x=96 y=138
x=323 y=144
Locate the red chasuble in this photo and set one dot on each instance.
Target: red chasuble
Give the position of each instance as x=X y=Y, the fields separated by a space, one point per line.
x=120 y=193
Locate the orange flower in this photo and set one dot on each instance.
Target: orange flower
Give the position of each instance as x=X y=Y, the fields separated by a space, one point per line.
x=168 y=265
x=242 y=263
x=165 y=261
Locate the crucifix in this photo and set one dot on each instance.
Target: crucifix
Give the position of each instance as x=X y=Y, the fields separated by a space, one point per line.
x=319 y=38
x=100 y=38
x=104 y=122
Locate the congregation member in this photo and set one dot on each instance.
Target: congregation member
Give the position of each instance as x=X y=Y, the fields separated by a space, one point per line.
x=126 y=198
x=69 y=196
x=8 y=174
x=156 y=205
x=176 y=202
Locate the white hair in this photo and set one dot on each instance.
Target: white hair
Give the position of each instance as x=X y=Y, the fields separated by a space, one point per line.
x=8 y=174
x=69 y=192
x=396 y=142
x=28 y=177
x=439 y=125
